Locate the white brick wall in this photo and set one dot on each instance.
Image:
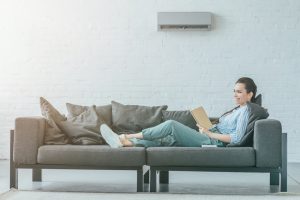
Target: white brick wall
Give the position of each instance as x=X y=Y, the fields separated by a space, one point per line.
x=92 y=52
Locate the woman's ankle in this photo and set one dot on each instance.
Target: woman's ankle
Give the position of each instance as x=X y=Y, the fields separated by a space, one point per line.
x=135 y=135
x=124 y=140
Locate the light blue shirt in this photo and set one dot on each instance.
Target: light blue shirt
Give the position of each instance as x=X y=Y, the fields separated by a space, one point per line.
x=234 y=123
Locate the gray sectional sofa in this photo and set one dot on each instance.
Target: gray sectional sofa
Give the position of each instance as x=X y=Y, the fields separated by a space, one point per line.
x=267 y=155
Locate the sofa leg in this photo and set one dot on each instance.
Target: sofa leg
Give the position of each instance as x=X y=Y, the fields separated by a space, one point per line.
x=146 y=176
x=283 y=182
x=13 y=176
x=284 y=163
x=37 y=174
x=164 y=177
x=152 y=180
x=274 y=178
x=140 y=180
x=13 y=169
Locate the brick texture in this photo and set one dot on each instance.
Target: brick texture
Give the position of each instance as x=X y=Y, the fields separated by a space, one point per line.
x=92 y=52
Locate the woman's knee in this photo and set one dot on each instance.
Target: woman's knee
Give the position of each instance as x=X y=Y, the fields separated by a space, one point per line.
x=170 y=122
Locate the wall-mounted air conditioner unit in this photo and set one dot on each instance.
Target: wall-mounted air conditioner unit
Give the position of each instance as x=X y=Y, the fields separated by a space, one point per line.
x=184 y=20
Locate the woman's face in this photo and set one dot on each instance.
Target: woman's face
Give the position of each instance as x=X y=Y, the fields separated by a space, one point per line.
x=241 y=96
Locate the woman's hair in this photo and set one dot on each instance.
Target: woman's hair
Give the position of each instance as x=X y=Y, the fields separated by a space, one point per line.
x=249 y=86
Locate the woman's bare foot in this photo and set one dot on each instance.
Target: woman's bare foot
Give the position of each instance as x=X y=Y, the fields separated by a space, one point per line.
x=125 y=142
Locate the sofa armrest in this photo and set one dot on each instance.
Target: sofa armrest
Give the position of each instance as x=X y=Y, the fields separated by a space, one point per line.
x=28 y=137
x=267 y=143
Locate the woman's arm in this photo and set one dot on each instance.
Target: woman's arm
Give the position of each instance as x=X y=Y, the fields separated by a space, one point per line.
x=222 y=137
x=235 y=136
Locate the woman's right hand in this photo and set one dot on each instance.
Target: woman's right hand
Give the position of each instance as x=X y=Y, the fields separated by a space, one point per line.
x=203 y=130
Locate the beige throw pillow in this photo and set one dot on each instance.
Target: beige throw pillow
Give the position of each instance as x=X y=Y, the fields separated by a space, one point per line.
x=53 y=134
x=84 y=128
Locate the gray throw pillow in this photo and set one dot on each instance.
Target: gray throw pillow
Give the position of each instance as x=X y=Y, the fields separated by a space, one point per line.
x=185 y=117
x=104 y=112
x=83 y=129
x=134 y=118
x=53 y=134
x=258 y=99
x=256 y=113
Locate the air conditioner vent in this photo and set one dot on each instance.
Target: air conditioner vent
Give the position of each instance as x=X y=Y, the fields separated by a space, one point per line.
x=184 y=20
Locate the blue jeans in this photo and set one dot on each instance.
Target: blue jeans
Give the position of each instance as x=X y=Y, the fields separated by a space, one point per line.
x=172 y=133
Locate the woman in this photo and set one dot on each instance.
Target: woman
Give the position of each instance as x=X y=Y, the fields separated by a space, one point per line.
x=230 y=128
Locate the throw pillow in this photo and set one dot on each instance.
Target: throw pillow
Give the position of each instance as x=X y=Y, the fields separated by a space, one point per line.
x=104 y=112
x=256 y=113
x=258 y=99
x=84 y=128
x=185 y=117
x=134 y=118
x=53 y=134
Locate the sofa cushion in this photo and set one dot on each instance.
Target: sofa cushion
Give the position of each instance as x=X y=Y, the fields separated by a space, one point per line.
x=103 y=112
x=185 y=117
x=84 y=128
x=134 y=118
x=53 y=134
x=256 y=112
x=201 y=156
x=92 y=155
x=258 y=99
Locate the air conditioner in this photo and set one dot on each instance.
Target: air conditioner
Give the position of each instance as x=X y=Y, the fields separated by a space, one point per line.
x=184 y=20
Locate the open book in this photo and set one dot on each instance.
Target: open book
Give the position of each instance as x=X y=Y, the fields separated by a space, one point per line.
x=201 y=117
